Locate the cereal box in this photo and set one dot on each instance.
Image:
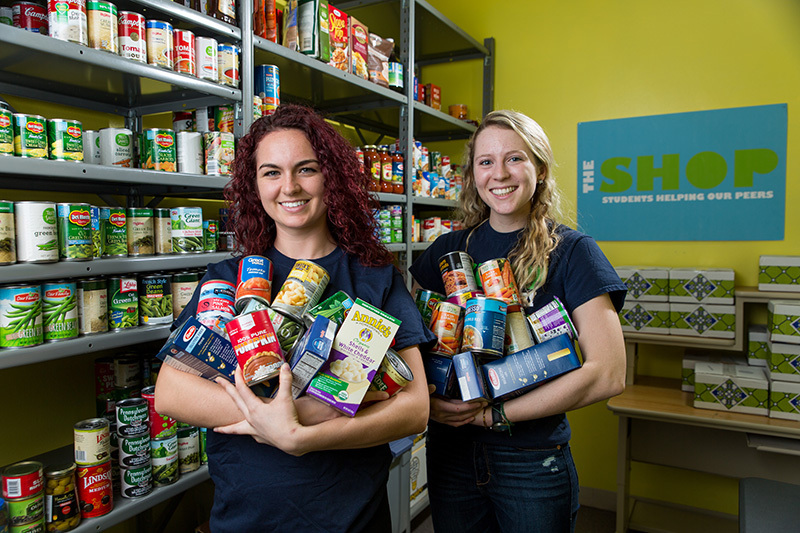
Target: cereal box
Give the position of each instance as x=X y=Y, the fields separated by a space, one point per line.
x=359 y=48
x=358 y=350
x=339 y=29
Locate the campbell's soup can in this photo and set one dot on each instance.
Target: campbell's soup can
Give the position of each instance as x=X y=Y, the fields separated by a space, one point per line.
x=31 y=16
x=160 y=51
x=228 y=58
x=94 y=489
x=206 y=58
x=447 y=323
x=302 y=289
x=67 y=20
x=257 y=348
x=132 y=36
x=457 y=273
x=23 y=480
x=184 y=48
x=160 y=425
x=485 y=326
x=103 y=26
x=92 y=441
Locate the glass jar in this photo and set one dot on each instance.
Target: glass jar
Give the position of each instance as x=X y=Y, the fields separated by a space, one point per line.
x=60 y=498
x=386 y=170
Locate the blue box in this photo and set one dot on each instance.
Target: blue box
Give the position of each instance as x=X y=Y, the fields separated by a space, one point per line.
x=520 y=372
x=196 y=349
x=470 y=378
x=311 y=353
x=441 y=373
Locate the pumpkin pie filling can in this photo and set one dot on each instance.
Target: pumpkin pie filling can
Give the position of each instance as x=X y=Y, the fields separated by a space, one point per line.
x=256 y=345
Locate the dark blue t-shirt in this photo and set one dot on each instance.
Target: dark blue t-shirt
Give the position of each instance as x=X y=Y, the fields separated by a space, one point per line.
x=578 y=272
x=261 y=488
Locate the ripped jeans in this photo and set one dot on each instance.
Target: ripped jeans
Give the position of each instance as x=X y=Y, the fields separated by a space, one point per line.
x=478 y=487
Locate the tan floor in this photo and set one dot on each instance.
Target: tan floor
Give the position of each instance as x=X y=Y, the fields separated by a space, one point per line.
x=590 y=520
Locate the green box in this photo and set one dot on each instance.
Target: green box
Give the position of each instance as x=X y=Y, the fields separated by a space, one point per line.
x=731 y=388
x=784 y=361
x=784 y=400
x=757 y=349
x=706 y=286
x=783 y=321
x=645 y=317
x=701 y=320
x=645 y=284
x=779 y=273
x=690 y=359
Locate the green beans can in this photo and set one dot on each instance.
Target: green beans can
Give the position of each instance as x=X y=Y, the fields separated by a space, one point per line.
x=155 y=300
x=92 y=306
x=74 y=232
x=158 y=150
x=210 y=235
x=113 y=224
x=59 y=310
x=30 y=136
x=20 y=316
x=162 y=229
x=187 y=230
x=66 y=139
x=164 y=458
x=183 y=286
x=123 y=303
x=6 y=132
x=8 y=233
x=37 y=233
x=140 y=231
x=98 y=232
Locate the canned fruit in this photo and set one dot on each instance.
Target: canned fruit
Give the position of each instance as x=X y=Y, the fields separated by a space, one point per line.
x=20 y=316
x=59 y=311
x=187 y=229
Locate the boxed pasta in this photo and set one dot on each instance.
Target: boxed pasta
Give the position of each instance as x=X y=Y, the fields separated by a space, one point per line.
x=705 y=286
x=469 y=376
x=783 y=321
x=197 y=349
x=757 y=349
x=339 y=31
x=441 y=374
x=731 y=388
x=701 y=320
x=784 y=361
x=359 y=48
x=645 y=317
x=433 y=96
x=784 y=400
x=645 y=284
x=358 y=349
x=779 y=273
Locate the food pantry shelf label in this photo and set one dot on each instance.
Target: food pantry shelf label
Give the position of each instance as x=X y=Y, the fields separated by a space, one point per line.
x=700 y=176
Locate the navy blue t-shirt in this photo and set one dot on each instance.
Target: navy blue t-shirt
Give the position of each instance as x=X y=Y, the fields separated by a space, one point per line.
x=259 y=487
x=578 y=272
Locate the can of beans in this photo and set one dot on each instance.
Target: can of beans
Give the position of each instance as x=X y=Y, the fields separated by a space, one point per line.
x=103 y=26
x=162 y=229
x=155 y=300
x=426 y=301
x=94 y=489
x=160 y=426
x=74 y=232
x=302 y=289
x=30 y=136
x=392 y=375
x=447 y=323
x=457 y=273
x=116 y=147
x=287 y=329
x=127 y=372
x=164 y=458
x=8 y=233
x=215 y=305
x=184 y=46
x=91 y=147
x=92 y=306
x=190 y=152
x=497 y=280
x=188 y=449
x=183 y=286
x=210 y=235
x=61 y=498
x=206 y=56
x=334 y=308
x=37 y=234
x=6 y=132
x=92 y=441
x=257 y=348
x=27 y=514
x=159 y=151
x=20 y=316
x=518 y=336
x=137 y=481
x=30 y=16
x=123 y=303
x=160 y=51
x=551 y=321
x=485 y=326
x=98 y=238
x=187 y=230
x=114 y=228
x=219 y=152
x=23 y=480
x=59 y=310
x=67 y=20
x=268 y=88
x=134 y=452
x=132 y=36
x=140 y=231
x=66 y=140
x=132 y=417
x=228 y=57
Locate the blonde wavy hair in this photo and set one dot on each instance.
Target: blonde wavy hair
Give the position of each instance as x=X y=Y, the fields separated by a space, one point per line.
x=530 y=258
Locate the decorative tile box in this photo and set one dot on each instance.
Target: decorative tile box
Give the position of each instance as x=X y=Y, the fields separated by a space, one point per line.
x=779 y=273
x=701 y=320
x=704 y=286
x=645 y=317
x=690 y=359
x=784 y=400
x=645 y=284
x=731 y=388
x=784 y=361
x=757 y=349
x=783 y=321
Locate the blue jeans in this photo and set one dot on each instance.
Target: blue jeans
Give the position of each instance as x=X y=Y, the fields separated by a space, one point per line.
x=478 y=487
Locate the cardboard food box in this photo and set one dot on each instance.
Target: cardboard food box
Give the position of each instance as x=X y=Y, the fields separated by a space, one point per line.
x=520 y=372
x=645 y=284
x=339 y=31
x=784 y=400
x=757 y=348
x=701 y=320
x=418 y=471
x=645 y=317
x=705 y=286
x=441 y=374
x=779 y=273
x=690 y=359
x=783 y=321
x=358 y=349
x=310 y=353
x=433 y=96
x=469 y=376
x=359 y=48
x=312 y=28
x=784 y=361
x=731 y=388
x=196 y=349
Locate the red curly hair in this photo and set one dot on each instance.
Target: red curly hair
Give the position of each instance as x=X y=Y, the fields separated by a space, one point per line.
x=350 y=206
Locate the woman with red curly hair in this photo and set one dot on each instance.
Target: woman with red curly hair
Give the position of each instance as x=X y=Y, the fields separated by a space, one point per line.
x=298 y=192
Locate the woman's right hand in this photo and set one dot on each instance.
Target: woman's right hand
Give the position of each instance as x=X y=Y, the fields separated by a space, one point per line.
x=455 y=412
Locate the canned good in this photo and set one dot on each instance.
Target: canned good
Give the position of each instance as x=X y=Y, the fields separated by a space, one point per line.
x=518 y=336
x=183 y=286
x=104 y=389
x=203 y=454
x=206 y=56
x=127 y=373
x=164 y=458
x=257 y=348
x=59 y=310
x=302 y=289
x=224 y=117
x=94 y=489
x=162 y=228
x=140 y=231
x=103 y=26
x=116 y=147
x=8 y=233
x=30 y=136
x=447 y=323
x=392 y=375
x=132 y=36
x=210 y=235
x=287 y=329
x=426 y=301
x=215 y=305
x=462 y=297
x=227 y=241
x=395 y=71
x=190 y=152
x=187 y=230
x=182 y=121
x=61 y=498
x=160 y=425
x=485 y=326
x=137 y=481
x=551 y=321
x=74 y=232
x=228 y=58
x=20 y=316
x=158 y=150
x=155 y=300
x=27 y=514
x=6 y=132
x=132 y=417
x=268 y=88
x=66 y=139
x=457 y=273
x=497 y=280
x=92 y=441
x=254 y=278
x=219 y=152
x=113 y=225
x=160 y=50
x=184 y=47
x=333 y=308
x=91 y=147
x=188 y=449
x=98 y=237
x=30 y=16
x=123 y=303
x=92 y=306
x=23 y=480
x=134 y=451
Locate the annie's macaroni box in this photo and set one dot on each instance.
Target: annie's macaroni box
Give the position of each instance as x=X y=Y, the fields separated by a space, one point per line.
x=441 y=374
x=705 y=286
x=520 y=372
x=645 y=317
x=783 y=321
x=779 y=273
x=732 y=388
x=757 y=349
x=469 y=376
x=645 y=284
x=198 y=350
x=701 y=320
x=358 y=349
x=784 y=361
x=784 y=400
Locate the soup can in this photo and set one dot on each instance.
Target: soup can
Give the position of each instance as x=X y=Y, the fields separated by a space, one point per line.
x=183 y=286
x=182 y=121
x=62 y=512
x=98 y=237
x=20 y=316
x=426 y=302
x=103 y=26
x=30 y=136
x=160 y=51
x=188 y=449
x=392 y=375
x=23 y=480
x=268 y=87
x=160 y=425
x=7 y=18
x=551 y=321
x=92 y=306
x=228 y=57
x=30 y=16
x=485 y=326
x=67 y=20
x=74 y=232
x=302 y=289
x=91 y=147
x=210 y=235
x=116 y=147
x=60 y=310
x=190 y=152
x=132 y=417
x=6 y=132
x=220 y=149
x=113 y=225
x=95 y=489
x=497 y=280
x=187 y=230
x=140 y=235
x=155 y=300
x=206 y=57
x=162 y=229
x=37 y=233
x=65 y=140
x=92 y=441
x=447 y=323
x=184 y=47
x=132 y=36
x=518 y=336
x=257 y=348
x=254 y=278
x=8 y=233
x=164 y=458
x=137 y=481
x=159 y=151
x=457 y=273
x=123 y=303
x=224 y=118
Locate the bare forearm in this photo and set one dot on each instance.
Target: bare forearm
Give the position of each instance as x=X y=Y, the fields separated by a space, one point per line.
x=194 y=400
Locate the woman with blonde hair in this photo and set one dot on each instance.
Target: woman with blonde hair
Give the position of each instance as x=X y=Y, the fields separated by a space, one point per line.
x=508 y=467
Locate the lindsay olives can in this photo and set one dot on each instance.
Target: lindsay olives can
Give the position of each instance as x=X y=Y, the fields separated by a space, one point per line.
x=20 y=316
x=114 y=226
x=158 y=150
x=8 y=233
x=92 y=441
x=393 y=374
x=61 y=498
x=187 y=230
x=60 y=310
x=92 y=306
x=123 y=303
x=155 y=299
x=30 y=136
x=188 y=449
x=485 y=326
x=74 y=232
x=23 y=480
x=447 y=323
x=134 y=451
x=164 y=458
x=132 y=417
x=6 y=132
x=137 y=481
x=37 y=233
x=162 y=229
x=66 y=139
x=457 y=273
x=302 y=289
x=94 y=489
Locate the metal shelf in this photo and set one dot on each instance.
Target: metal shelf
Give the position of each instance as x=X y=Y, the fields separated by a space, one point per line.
x=183 y=17
x=435 y=202
x=390 y=198
x=396 y=247
x=433 y=125
x=419 y=246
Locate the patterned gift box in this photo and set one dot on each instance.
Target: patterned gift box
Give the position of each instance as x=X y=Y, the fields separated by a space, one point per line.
x=779 y=273
x=690 y=359
x=701 y=320
x=706 y=286
x=757 y=349
x=645 y=284
x=645 y=317
x=783 y=321
x=784 y=400
x=784 y=361
x=731 y=388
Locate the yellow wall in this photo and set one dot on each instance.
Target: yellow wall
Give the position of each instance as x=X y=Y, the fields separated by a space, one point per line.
x=569 y=62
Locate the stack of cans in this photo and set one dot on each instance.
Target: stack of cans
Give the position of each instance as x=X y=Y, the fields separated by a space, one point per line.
x=133 y=448
x=23 y=485
x=94 y=469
